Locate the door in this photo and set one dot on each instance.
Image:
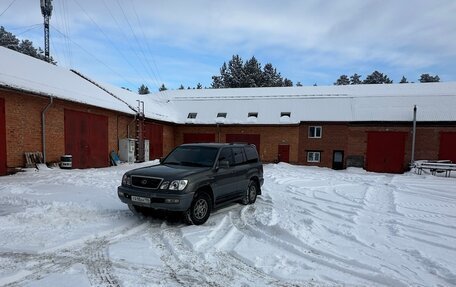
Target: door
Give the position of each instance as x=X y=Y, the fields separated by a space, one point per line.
x=224 y=185
x=154 y=133
x=198 y=138
x=2 y=138
x=386 y=151
x=245 y=138
x=86 y=139
x=338 y=159
x=447 y=148
x=283 y=153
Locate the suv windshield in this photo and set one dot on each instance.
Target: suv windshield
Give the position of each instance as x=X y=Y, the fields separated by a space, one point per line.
x=192 y=156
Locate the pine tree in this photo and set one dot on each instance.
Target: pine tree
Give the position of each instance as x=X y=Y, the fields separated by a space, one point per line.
x=181 y=87
x=199 y=86
x=287 y=83
x=403 y=80
x=377 y=78
x=26 y=47
x=426 y=78
x=252 y=71
x=298 y=84
x=217 y=82
x=355 y=79
x=237 y=74
x=271 y=78
x=343 y=80
x=8 y=40
x=162 y=88
x=143 y=90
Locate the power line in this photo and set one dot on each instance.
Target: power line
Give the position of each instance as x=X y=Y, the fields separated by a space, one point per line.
x=147 y=68
x=119 y=28
x=31 y=27
x=12 y=2
x=63 y=17
x=156 y=75
x=109 y=39
x=93 y=56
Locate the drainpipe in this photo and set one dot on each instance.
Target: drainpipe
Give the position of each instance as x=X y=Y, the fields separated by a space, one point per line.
x=128 y=127
x=218 y=132
x=43 y=127
x=413 y=135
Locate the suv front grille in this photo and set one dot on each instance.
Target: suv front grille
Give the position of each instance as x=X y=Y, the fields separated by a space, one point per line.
x=146 y=182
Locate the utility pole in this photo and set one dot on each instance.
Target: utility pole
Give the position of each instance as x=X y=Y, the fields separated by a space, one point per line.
x=46 y=10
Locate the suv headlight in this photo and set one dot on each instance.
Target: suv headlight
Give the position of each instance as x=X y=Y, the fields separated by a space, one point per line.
x=178 y=184
x=126 y=180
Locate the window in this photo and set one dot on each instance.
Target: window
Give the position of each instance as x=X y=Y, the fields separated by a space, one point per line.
x=251 y=154
x=238 y=156
x=313 y=156
x=221 y=115
x=314 y=132
x=226 y=154
x=192 y=156
x=192 y=115
x=252 y=114
x=285 y=114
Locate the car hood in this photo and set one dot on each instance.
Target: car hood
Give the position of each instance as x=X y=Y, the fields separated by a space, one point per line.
x=168 y=171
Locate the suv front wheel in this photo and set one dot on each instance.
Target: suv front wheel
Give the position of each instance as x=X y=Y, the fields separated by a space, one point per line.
x=199 y=211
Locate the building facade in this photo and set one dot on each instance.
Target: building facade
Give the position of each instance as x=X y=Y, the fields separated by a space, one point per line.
x=57 y=112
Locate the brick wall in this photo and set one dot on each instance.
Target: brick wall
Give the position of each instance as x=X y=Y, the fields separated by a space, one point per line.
x=23 y=126
x=428 y=141
x=352 y=139
x=23 y=133
x=270 y=137
x=168 y=139
x=334 y=137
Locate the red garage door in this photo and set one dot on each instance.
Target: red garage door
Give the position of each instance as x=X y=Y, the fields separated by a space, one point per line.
x=448 y=146
x=86 y=139
x=199 y=138
x=244 y=138
x=2 y=138
x=154 y=133
x=283 y=153
x=385 y=151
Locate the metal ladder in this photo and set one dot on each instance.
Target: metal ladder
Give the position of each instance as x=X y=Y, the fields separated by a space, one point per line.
x=140 y=124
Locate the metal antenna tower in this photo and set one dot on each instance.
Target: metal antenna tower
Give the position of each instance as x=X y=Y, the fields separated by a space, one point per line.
x=46 y=10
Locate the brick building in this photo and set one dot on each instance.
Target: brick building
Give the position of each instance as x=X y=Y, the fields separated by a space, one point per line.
x=47 y=108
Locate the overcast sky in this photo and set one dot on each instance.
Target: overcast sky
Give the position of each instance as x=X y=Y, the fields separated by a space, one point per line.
x=128 y=43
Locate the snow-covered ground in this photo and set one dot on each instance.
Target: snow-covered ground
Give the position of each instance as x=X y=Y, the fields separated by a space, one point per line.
x=311 y=227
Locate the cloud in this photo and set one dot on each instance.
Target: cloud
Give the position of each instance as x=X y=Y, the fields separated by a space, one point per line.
x=326 y=36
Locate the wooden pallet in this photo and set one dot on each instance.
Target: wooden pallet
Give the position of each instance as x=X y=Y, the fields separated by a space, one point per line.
x=33 y=158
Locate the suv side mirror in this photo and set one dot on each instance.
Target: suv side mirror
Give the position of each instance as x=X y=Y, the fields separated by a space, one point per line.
x=223 y=164
x=161 y=160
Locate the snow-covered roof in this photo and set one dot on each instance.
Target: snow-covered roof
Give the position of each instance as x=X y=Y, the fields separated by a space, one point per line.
x=392 y=102
x=23 y=72
x=281 y=105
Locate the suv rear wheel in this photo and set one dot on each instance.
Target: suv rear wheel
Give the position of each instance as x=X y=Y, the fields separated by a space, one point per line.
x=199 y=211
x=251 y=194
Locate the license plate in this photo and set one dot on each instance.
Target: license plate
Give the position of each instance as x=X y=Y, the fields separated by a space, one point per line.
x=140 y=199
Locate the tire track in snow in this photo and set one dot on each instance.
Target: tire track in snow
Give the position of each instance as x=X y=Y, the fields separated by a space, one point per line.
x=98 y=264
x=293 y=245
x=187 y=267
x=91 y=253
x=210 y=263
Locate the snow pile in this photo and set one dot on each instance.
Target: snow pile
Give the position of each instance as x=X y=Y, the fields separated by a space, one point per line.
x=311 y=227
